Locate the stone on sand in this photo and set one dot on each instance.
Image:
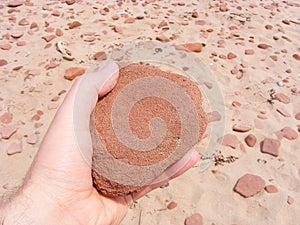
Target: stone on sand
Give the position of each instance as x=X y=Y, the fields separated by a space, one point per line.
x=289 y=133
x=271 y=188
x=230 y=140
x=195 y=219
x=13 y=148
x=270 y=146
x=249 y=185
x=250 y=140
x=8 y=131
x=73 y=72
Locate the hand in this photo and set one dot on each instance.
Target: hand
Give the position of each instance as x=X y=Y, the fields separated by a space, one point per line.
x=58 y=188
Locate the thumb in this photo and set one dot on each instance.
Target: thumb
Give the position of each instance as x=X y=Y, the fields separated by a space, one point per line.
x=68 y=134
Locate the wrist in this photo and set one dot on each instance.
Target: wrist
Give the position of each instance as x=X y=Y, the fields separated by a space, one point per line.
x=24 y=209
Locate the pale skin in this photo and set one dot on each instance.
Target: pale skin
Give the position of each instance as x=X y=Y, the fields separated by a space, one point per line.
x=58 y=188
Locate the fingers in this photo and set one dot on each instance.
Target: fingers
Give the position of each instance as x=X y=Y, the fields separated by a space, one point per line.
x=178 y=168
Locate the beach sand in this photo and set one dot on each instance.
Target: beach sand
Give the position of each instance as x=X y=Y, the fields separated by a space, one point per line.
x=252 y=49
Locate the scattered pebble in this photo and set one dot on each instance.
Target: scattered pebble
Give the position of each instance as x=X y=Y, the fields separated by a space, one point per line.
x=289 y=133
x=290 y=200
x=271 y=188
x=280 y=83
x=230 y=140
x=3 y=62
x=17 y=34
x=249 y=185
x=162 y=38
x=6 y=47
x=251 y=140
x=13 y=148
x=49 y=38
x=249 y=52
x=296 y=56
x=172 y=205
x=15 y=3
x=231 y=55
x=73 y=72
x=53 y=105
x=192 y=47
x=100 y=56
x=282 y=98
x=283 y=112
x=297 y=116
x=70 y=2
x=241 y=128
x=263 y=46
x=8 y=131
x=270 y=146
x=74 y=24
x=32 y=139
x=129 y=20
x=195 y=219
x=6 y=117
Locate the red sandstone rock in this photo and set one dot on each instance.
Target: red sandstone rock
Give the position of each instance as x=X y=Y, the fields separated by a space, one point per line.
x=230 y=140
x=129 y=20
x=100 y=56
x=73 y=72
x=33 y=25
x=32 y=139
x=172 y=205
x=263 y=46
x=270 y=146
x=249 y=185
x=5 y=47
x=14 y=3
x=23 y=22
x=271 y=188
x=6 y=117
x=249 y=52
x=74 y=24
x=283 y=112
x=162 y=38
x=282 y=98
x=296 y=56
x=231 y=55
x=58 y=32
x=290 y=200
x=192 y=47
x=70 y=2
x=250 y=140
x=241 y=128
x=195 y=219
x=289 y=133
x=17 y=34
x=297 y=116
x=269 y=27
x=118 y=29
x=49 y=38
x=8 y=131
x=13 y=148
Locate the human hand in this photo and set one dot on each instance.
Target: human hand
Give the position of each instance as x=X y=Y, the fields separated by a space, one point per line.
x=58 y=188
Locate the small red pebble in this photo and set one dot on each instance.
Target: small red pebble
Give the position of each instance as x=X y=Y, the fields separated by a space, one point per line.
x=6 y=117
x=13 y=148
x=49 y=37
x=33 y=25
x=195 y=14
x=172 y=205
x=289 y=133
x=17 y=34
x=58 y=32
x=100 y=56
x=263 y=46
x=192 y=47
x=231 y=55
x=296 y=56
x=282 y=98
x=195 y=219
x=3 y=62
x=297 y=116
x=229 y=140
x=162 y=38
x=249 y=185
x=70 y=2
x=129 y=20
x=8 y=131
x=73 y=72
x=241 y=128
x=271 y=188
x=23 y=22
x=249 y=52
x=290 y=200
x=32 y=139
x=250 y=140
x=270 y=146
x=5 y=46
x=74 y=24
x=269 y=27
